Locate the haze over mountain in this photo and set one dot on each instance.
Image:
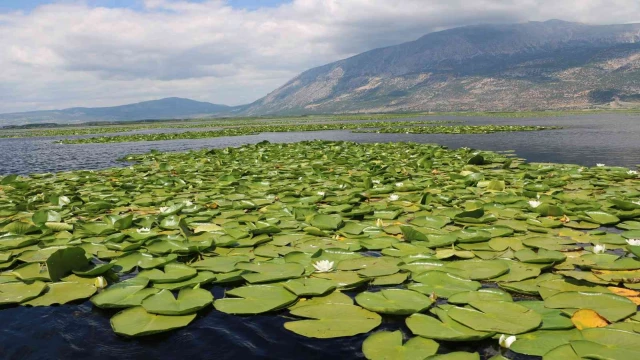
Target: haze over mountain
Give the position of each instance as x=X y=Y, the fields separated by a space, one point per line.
x=534 y=65
x=168 y=108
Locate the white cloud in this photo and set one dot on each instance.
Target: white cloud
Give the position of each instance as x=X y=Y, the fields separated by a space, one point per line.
x=72 y=54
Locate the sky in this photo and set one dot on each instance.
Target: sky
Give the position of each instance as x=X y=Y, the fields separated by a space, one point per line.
x=67 y=53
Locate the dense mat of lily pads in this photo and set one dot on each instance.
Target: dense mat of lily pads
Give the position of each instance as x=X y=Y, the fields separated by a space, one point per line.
x=463 y=245
x=397 y=126
x=460 y=129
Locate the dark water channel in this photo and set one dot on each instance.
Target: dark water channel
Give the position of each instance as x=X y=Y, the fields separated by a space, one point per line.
x=81 y=331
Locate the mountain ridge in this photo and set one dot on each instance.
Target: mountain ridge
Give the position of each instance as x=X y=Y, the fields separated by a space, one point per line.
x=165 y=108
x=550 y=65
x=478 y=67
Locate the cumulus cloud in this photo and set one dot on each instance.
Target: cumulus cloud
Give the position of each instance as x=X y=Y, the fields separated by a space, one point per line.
x=74 y=54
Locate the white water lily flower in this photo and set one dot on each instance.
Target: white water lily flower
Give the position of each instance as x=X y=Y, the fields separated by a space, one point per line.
x=320 y=193
x=143 y=230
x=599 y=249
x=377 y=182
x=632 y=172
x=379 y=223
x=534 y=203
x=506 y=341
x=188 y=203
x=636 y=202
x=634 y=242
x=394 y=197
x=323 y=266
x=100 y=282
x=581 y=169
x=599 y=165
x=399 y=184
x=164 y=209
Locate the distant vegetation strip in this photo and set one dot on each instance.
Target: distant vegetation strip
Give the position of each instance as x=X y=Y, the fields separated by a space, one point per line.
x=396 y=127
x=459 y=129
x=74 y=130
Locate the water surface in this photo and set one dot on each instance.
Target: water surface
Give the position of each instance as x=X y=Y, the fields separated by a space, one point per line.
x=613 y=139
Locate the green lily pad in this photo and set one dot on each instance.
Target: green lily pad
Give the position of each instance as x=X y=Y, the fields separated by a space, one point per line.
x=540 y=342
x=497 y=316
x=62 y=293
x=467 y=297
x=269 y=272
x=310 y=286
x=189 y=301
x=334 y=320
x=394 y=301
x=17 y=292
x=446 y=329
x=173 y=272
x=442 y=284
x=124 y=294
x=255 y=299
x=388 y=345
x=64 y=261
x=137 y=322
x=611 y=307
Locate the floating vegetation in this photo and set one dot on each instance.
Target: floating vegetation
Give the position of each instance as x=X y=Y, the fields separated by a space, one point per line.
x=463 y=245
x=395 y=127
x=88 y=129
x=460 y=129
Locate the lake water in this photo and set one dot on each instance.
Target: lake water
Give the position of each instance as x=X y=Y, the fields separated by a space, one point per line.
x=83 y=331
x=586 y=140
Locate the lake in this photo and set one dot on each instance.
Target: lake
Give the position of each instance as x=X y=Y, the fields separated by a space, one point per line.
x=586 y=140
x=83 y=331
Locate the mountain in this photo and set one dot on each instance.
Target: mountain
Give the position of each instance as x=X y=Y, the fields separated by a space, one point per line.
x=535 y=65
x=168 y=108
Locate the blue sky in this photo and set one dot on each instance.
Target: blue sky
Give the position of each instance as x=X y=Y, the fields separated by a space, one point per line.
x=27 y=5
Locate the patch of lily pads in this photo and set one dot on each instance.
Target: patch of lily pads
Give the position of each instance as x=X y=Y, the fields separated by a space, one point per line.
x=407 y=127
x=459 y=129
x=242 y=130
x=460 y=245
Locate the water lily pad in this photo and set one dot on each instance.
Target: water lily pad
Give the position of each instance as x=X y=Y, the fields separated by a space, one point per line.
x=17 y=292
x=394 y=301
x=467 y=297
x=442 y=284
x=611 y=307
x=62 y=293
x=268 y=272
x=456 y=355
x=477 y=269
x=137 y=322
x=497 y=316
x=189 y=301
x=255 y=299
x=446 y=329
x=310 y=286
x=540 y=342
x=219 y=264
x=64 y=261
x=388 y=345
x=334 y=320
x=124 y=294
x=173 y=272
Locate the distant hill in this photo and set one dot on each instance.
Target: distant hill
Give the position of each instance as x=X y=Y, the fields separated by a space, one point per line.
x=168 y=108
x=530 y=66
